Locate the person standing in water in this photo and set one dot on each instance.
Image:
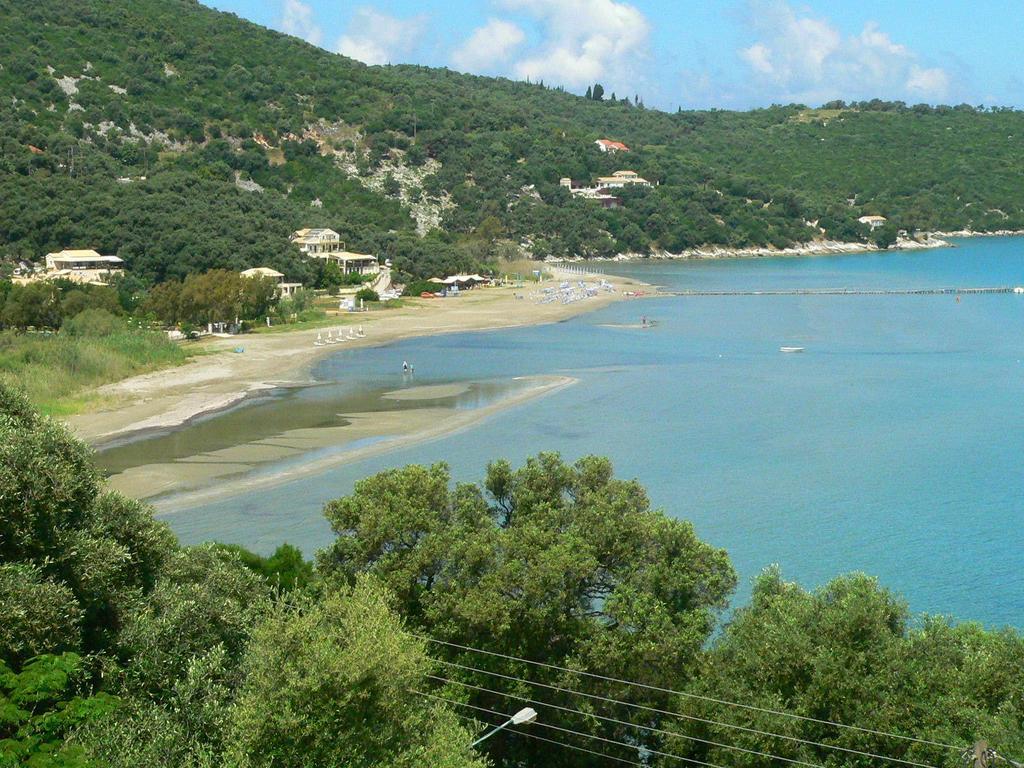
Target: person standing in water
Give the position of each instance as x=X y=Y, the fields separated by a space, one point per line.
x=405 y=366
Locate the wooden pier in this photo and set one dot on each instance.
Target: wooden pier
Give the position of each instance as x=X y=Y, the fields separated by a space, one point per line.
x=852 y=292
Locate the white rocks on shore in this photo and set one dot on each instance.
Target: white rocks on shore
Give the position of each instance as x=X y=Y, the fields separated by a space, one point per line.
x=972 y=233
x=816 y=248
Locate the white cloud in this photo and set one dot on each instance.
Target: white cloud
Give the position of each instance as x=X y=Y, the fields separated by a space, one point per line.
x=373 y=37
x=797 y=57
x=489 y=45
x=582 y=42
x=928 y=81
x=297 y=19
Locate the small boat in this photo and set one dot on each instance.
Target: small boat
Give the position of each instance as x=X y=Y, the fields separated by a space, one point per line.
x=791 y=349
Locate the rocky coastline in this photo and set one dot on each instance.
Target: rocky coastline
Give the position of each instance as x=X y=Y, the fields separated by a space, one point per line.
x=815 y=248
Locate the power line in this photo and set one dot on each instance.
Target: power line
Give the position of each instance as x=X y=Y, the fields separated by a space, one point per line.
x=807 y=742
x=684 y=694
x=634 y=747
x=561 y=743
x=652 y=729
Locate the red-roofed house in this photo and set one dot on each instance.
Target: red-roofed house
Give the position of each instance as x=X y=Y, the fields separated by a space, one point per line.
x=607 y=145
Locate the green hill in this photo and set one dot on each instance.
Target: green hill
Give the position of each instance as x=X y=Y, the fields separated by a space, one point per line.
x=182 y=138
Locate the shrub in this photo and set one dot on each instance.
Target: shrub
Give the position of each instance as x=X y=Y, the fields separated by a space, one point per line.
x=93 y=323
x=416 y=287
x=367 y=294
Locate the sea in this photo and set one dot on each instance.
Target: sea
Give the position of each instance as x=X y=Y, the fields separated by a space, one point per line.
x=892 y=445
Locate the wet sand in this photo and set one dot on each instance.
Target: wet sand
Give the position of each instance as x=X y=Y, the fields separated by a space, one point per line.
x=218 y=474
x=222 y=378
x=436 y=392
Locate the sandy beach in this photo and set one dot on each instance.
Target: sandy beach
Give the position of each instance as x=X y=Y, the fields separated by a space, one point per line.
x=222 y=377
x=209 y=476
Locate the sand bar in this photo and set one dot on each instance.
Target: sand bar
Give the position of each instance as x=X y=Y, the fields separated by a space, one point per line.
x=435 y=392
x=217 y=380
x=204 y=479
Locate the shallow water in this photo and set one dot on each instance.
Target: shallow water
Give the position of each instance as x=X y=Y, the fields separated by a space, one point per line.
x=891 y=445
x=286 y=427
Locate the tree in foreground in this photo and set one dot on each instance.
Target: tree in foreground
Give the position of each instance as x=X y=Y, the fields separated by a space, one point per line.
x=41 y=705
x=120 y=648
x=333 y=682
x=556 y=563
x=849 y=652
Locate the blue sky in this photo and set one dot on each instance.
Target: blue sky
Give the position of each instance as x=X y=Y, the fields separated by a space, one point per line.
x=717 y=53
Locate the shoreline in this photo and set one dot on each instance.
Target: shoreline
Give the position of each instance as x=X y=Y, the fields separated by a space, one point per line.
x=964 y=233
x=207 y=384
x=932 y=240
x=169 y=503
x=818 y=248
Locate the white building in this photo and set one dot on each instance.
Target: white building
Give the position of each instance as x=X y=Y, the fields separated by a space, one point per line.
x=325 y=244
x=621 y=179
x=317 y=241
x=283 y=288
x=600 y=190
x=873 y=221
x=82 y=266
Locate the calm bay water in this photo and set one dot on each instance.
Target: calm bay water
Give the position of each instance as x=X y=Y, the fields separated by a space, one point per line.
x=892 y=445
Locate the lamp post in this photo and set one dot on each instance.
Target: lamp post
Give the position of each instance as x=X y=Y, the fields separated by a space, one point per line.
x=524 y=716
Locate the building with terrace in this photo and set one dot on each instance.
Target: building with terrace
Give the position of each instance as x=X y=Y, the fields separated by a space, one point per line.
x=326 y=245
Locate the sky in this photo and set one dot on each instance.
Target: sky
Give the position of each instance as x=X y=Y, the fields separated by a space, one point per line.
x=729 y=54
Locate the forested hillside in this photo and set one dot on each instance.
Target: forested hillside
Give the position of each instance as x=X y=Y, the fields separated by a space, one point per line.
x=183 y=139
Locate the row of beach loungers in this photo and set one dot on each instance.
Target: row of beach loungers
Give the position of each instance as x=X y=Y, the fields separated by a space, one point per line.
x=567 y=292
x=332 y=339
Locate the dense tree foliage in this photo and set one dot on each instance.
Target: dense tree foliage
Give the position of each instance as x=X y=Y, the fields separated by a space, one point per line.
x=184 y=139
x=120 y=648
x=546 y=585
x=560 y=564
x=850 y=653
x=41 y=705
x=342 y=665
x=216 y=296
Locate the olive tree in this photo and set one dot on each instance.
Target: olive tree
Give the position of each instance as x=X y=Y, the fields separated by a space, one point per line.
x=554 y=563
x=332 y=682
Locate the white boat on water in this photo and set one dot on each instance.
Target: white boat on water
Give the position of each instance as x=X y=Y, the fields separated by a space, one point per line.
x=791 y=349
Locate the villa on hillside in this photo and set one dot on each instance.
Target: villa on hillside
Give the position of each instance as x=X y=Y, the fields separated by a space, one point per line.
x=325 y=244
x=283 y=288
x=84 y=266
x=621 y=179
x=873 y=221
x=600 y=191
x=316 y=241
x=607 y=145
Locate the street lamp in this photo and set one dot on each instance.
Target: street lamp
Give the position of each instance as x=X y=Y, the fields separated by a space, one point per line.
x=524 y=716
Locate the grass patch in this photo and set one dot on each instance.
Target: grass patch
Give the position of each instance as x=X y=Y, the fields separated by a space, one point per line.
x=816 y=115
x=57 y=370
x=326 y=321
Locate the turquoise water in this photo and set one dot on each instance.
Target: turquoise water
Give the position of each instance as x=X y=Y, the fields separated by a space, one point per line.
x=892 y=445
